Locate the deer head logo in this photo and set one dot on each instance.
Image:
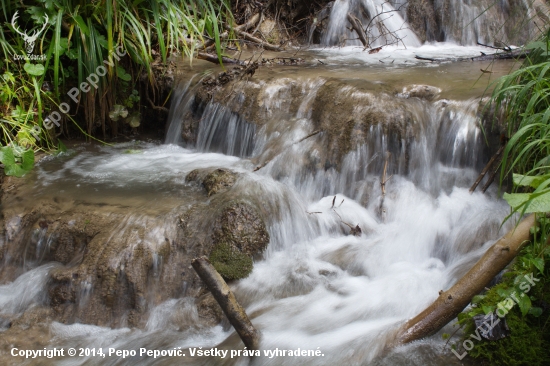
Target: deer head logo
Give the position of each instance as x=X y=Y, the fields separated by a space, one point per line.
x=29 y=40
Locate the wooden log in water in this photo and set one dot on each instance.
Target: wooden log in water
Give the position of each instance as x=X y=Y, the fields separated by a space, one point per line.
x=358 y=28
x=214 y=58
x=249 y=37
x=486 y=169
x=232 y=309
x=516 y=54
x=451 y=302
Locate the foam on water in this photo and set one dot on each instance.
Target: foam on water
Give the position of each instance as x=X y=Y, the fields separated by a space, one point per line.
x=317 y=286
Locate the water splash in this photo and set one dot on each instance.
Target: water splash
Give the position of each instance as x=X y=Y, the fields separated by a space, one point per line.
x=383 y=22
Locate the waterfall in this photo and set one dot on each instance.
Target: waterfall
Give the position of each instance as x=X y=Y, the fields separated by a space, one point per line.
x=410 y=23
x=387 y=26
x=307 y=150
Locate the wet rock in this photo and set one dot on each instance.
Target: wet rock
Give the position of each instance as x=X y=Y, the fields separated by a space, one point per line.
x=490 y=327
x=213 y=181
x=426 y=92
x=239 y=235
x=422 y=20
x=209 y=310
x=119 y=265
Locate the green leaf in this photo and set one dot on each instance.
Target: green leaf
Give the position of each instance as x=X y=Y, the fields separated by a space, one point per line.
x=134 y=121
x=121 y=73
x=61 y=147
x=538 y=202
x=477 y=299
x=11 y=167
x=524 y=303
x=118 y=111
x=82 y=25
x=533 y=202
x=529 y=180
x=27 y=160
x=538 y=44
x=539 y=263
x=516 y=199
x=487 y=309
x=34 y=69
x=503 y=293
x=535 y=311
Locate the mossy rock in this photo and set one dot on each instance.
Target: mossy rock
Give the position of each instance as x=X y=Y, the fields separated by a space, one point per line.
x=239 y=235
x=219 y=180
x=529 y=335
x=240 y=226
x=230 y=262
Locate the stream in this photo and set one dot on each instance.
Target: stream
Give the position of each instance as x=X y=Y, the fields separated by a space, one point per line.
x=98 y=240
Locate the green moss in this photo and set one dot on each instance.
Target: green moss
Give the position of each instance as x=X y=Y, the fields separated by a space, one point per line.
x=529 y=337
x=526 y=344
x=231 y=263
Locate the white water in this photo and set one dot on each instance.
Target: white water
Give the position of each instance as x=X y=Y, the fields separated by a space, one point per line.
x=386 y=23
x=317 y=287
x=387 y=28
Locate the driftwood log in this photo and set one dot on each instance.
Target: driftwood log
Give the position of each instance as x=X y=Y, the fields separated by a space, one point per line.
x=214 y=58
x=232 y=309
x=486 y=169
x=451 y=302
x=515 y=54
x=358 y=28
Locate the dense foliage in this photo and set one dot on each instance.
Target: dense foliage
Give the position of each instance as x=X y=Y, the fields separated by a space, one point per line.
x=74 y=39
x=524 y=95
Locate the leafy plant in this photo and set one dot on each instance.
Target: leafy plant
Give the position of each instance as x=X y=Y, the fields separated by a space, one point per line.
x=81 y=36
x=17 y=162
x=524 y=95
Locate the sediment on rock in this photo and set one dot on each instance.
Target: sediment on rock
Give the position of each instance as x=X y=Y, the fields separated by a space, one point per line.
x=114 y=271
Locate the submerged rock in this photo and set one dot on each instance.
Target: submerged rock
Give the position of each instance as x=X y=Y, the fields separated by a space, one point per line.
x=120 y=265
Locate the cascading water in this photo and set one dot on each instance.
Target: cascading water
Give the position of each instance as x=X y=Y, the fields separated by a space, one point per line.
x=308 y=148
x=386 y=24
x=410 y=23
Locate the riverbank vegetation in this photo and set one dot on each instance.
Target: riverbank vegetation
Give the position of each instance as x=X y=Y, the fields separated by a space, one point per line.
x=49 y=47
x=52 y=46
x=524 y=96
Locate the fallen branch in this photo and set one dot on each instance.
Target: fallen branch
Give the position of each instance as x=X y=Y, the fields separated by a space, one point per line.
x=383 y=181
x=507 y=49
x=358 y=28
x=491 y=178
x=158 y=108
x=425 y=58
x=214 y=58
x=232 y=309
x=308 y=136
x=243 y=27
x=486 y=169
x=355 y=230
x=251 y=23
x=261 y=166
x=451 y=302
x=258 y=41
x=516 y=54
